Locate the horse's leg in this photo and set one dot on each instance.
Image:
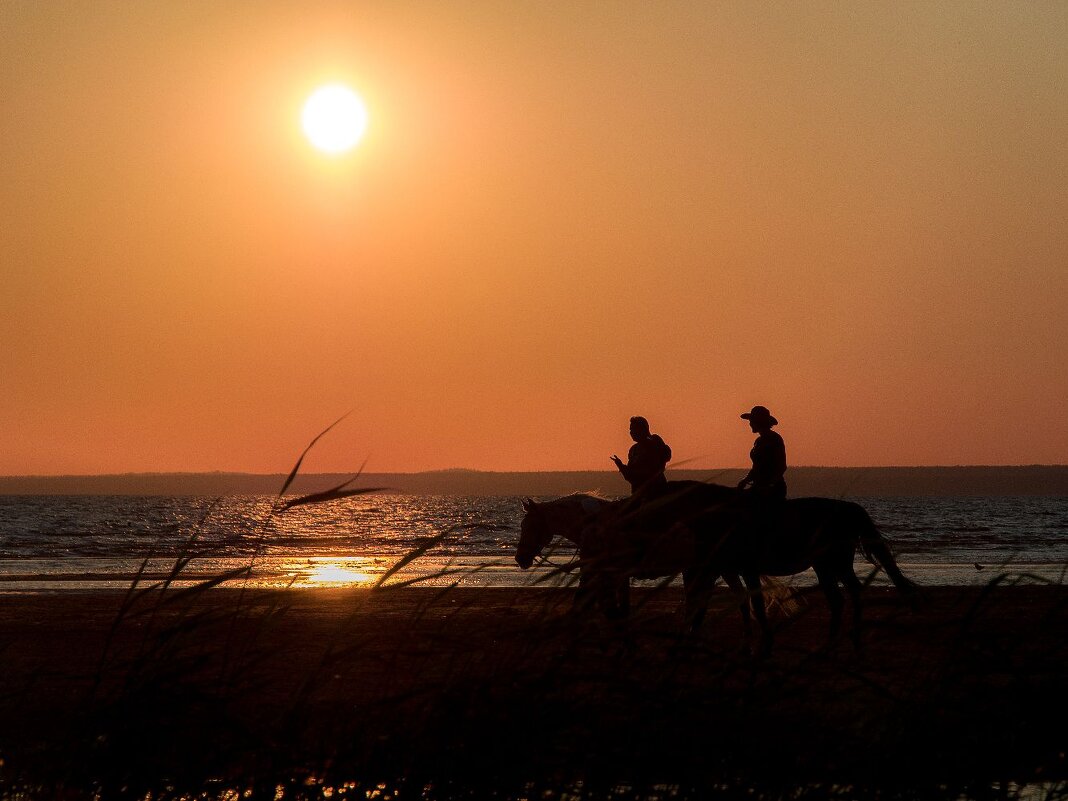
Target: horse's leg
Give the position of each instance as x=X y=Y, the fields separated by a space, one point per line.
x=853 y=587
x=622 y=596
x=829 y=585
x=599 y=588
x=586 y=592
x=742 y=595
x=695 y=612
x=756 y=595
x=690 y=612
x=697 y=587
x=610 y=593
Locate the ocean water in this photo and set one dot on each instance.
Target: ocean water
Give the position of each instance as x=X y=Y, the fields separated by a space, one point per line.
x=52 y=543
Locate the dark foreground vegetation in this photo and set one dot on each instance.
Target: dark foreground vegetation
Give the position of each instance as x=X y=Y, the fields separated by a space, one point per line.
x=481 y=693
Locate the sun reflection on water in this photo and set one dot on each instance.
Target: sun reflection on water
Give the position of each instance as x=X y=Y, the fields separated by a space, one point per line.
x=336 y=574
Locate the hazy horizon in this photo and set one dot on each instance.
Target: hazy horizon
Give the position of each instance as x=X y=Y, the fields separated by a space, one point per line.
x=560 y=215
x=976 y=480
x=608 y=471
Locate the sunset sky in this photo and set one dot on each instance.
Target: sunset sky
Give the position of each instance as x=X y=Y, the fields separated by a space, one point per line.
x=560 y=215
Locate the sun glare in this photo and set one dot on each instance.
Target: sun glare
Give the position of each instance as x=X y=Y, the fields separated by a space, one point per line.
x=334 y=118
x=336 y=574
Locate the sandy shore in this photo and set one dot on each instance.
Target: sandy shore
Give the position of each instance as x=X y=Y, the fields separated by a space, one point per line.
x=504 y=688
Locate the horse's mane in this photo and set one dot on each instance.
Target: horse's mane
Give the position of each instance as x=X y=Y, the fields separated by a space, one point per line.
x=584 y=500
x=596 y=494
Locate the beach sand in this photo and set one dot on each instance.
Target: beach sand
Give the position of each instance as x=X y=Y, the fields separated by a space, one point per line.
x=504 y=689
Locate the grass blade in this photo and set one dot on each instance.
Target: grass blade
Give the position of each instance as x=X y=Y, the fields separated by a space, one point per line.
x=329 y=495
x=296 y=468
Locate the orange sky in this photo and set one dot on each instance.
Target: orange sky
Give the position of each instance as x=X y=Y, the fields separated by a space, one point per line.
x=562 y=214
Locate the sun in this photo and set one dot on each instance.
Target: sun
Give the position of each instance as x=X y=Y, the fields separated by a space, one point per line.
x=334 y=118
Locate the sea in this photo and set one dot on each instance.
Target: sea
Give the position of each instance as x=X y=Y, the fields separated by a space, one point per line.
x=88 y=542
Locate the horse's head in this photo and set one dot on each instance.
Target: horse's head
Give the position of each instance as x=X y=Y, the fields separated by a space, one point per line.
x=534 y=534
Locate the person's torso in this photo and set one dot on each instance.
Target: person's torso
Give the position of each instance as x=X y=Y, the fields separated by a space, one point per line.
x=647 y=458
x=769 y=458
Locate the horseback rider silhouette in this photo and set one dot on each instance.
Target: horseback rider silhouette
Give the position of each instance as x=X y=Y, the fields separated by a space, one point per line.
x=764 y=483
x=646 y=460
x=642 y=519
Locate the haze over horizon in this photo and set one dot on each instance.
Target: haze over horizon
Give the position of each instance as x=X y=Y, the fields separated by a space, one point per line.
x=834 y=482
x=671 y=469
x=559 y=216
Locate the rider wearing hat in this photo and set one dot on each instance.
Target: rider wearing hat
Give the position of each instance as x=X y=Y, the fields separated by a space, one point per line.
x=765 y=481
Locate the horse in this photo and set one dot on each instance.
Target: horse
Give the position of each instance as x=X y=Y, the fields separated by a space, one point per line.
x=823 y=534
x=707 y=534
x=580 y=516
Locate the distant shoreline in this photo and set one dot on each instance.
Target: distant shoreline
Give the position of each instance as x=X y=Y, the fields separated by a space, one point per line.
x=964 y=481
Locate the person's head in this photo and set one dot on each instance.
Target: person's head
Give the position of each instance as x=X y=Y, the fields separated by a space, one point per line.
x=639 y=428
x=760 y=419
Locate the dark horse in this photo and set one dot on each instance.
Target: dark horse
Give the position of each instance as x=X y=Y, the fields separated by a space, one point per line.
x=663 y=539
x=704 y=532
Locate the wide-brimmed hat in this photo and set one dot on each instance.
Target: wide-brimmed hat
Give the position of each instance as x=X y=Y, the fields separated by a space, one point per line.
x=760 y=413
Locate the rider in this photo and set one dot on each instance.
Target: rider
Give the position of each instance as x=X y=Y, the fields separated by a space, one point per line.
x=639 y=520
x=765 y=482
x=646 y=460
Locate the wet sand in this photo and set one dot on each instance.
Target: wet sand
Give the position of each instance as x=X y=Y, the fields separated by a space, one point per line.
x=505 y=689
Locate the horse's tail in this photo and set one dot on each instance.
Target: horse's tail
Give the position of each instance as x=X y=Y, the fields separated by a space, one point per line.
x=877 y=551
